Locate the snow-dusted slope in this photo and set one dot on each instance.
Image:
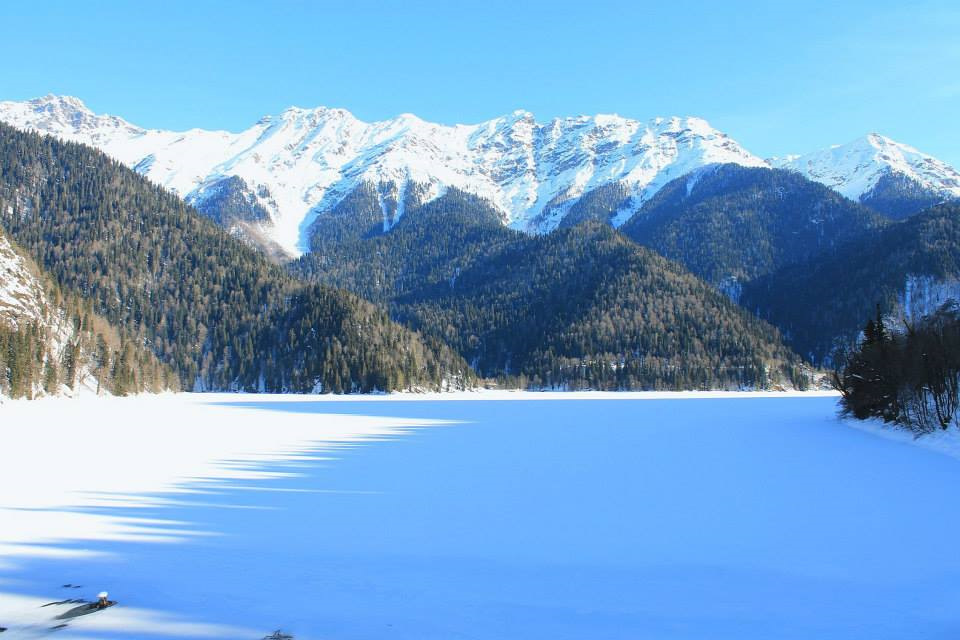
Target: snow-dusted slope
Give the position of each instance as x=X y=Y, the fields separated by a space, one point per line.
x=855 y=169
x=24 y=302
x=22 y=298
x=304 y=161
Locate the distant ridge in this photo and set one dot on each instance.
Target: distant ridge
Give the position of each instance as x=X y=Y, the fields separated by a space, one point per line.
x=304 y=161
x=268 y=183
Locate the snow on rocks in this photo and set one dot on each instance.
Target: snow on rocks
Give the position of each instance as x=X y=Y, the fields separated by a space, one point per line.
x=307 y=160
x=853 y=169
x=303 y=162
x=22 y=299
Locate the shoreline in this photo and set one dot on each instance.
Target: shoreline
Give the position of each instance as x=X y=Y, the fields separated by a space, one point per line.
x=442 y=396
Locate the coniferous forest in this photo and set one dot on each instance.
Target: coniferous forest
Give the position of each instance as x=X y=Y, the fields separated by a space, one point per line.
x=820 y=304
x=30 y=366
x=205 y=303
x=402 y=290
x=728 y=222
x=66 y=345
x=583 y=307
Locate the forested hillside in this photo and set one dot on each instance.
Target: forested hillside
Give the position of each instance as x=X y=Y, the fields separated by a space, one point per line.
x=821 y=304
x=897 y=197
x=52 y=343
x=198 y=298
x=582 y=307
x=730 y=222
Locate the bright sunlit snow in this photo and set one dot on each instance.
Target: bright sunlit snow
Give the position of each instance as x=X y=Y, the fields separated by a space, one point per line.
x=307 y=160
x=485 y=516
x=854 y=168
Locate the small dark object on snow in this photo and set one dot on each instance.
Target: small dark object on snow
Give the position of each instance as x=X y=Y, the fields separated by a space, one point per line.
x=88 y=607
x=278 y=635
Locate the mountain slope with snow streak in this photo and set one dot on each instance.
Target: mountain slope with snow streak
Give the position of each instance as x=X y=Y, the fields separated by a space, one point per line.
x=302 y=162
x=22 y=297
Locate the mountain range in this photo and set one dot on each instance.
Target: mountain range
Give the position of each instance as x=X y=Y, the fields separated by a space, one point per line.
x=314 y=253
x=271 y=182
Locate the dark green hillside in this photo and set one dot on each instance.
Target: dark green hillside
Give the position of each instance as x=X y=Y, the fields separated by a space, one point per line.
x=728 y=221
x=427 y=246
x=898 y=196
x=822 y=304
x=200 y=299
x=581 y=307
x=52 y=343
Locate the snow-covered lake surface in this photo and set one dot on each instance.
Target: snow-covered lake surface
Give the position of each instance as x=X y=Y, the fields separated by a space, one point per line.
x=474 y=516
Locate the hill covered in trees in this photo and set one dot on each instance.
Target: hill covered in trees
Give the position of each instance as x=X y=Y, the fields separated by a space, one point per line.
x=897 y=196
x=820 y=304
x=582 y=307
x=215 y=310
x=52 y=343
x=728 y=222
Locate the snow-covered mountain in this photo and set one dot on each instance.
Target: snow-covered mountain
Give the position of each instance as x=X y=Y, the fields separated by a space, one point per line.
x=269 y=182
x=302 y=162
x=877 y=170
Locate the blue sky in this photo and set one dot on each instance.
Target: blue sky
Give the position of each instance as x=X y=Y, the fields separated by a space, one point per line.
x=779 y=77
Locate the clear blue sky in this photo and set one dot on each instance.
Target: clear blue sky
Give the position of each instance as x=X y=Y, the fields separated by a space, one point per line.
x=780 y=77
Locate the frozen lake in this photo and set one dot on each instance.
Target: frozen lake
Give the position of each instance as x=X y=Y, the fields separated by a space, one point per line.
x=517 y=516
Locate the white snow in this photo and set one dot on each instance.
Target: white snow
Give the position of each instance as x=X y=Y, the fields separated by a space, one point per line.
x=309 y=159
x=113 y=456
x=924 y=295
x=476 y=515
x=853 y=169
x=22 y=298
x=302 y=162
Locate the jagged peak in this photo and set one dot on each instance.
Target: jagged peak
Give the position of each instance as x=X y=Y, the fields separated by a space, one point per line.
x=321 y=113
x=309 y=158
x=310 y=114
x=410 y=119
x=55 y=100
x=855 y=167
x=872 y=140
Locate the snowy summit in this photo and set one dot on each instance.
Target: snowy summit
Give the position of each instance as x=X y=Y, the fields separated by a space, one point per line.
x=293 y=166
x=304 y=161
x=854 y=169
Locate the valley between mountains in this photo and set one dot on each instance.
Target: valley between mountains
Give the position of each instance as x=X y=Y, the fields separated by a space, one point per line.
x=314 y=252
